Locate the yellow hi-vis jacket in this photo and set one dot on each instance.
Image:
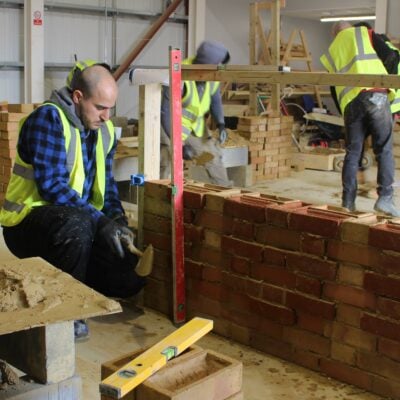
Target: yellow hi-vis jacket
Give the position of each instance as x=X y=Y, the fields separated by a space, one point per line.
x=352 y=53
x=194 y=108
x=22 y=193
x=395 y=104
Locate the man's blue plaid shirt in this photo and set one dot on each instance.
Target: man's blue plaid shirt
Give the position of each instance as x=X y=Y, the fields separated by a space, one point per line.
x=41 y=143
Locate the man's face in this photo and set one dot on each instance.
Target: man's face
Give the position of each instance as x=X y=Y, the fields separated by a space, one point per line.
x=94 y=110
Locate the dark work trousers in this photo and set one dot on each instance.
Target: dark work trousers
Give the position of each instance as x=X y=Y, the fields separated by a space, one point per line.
x=66 y=237
x=368 y=114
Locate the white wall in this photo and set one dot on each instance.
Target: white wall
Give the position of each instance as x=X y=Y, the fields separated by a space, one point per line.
x=88 y=36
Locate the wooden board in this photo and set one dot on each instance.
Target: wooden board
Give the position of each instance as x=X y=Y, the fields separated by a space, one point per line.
x=321 y=159
x=33 y=293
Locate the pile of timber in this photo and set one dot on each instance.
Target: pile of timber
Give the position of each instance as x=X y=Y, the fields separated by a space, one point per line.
x=270 y=145
x=10 y=117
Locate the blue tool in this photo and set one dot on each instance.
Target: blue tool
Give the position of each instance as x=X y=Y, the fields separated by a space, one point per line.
x=137 y=180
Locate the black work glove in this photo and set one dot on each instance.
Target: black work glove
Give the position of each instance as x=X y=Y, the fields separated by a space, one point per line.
x=111 y=233
x=187 y=152
x=223 y=134
x=121 y=219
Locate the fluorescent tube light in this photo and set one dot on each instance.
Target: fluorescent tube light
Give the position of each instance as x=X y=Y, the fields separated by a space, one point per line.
x=355 y=18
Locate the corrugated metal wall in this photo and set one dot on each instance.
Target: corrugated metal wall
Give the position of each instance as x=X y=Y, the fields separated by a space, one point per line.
x=88 y=33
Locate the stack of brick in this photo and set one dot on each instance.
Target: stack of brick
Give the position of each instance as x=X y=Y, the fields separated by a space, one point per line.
x=9 y=122
x=314 y=285
x=270 y=145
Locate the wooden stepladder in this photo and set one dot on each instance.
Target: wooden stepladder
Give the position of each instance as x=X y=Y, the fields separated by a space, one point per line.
x=294 y=52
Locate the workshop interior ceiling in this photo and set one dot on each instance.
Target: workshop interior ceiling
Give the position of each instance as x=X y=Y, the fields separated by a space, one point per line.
x=315 y=9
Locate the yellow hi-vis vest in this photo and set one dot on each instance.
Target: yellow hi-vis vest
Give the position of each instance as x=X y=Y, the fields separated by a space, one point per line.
x=194 y=108
x=395 y=104
x=352 y=53
x=22 y=193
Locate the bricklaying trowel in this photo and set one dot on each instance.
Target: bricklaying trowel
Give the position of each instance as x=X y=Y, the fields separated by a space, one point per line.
x=145 y=264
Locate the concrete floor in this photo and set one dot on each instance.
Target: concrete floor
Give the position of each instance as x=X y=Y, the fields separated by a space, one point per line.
x=264 y=377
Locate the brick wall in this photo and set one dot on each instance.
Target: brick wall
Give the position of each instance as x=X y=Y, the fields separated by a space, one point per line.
x=310 y=284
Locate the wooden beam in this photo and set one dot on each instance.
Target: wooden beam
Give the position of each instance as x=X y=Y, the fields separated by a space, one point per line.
x=146 y=39
x=256 y=74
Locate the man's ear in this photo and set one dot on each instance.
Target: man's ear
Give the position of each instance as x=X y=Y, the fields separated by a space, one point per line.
x=77 y=95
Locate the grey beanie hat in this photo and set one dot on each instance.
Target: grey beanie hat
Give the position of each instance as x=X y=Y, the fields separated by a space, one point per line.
x=211 y=52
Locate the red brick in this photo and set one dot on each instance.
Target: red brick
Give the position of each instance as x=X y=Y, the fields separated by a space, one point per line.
x=158 y=189
x=242 y=229
x=270 y=328
x=236 y=282
x=352 y=253
x=203 y=305
x=350 y=295
x=240 y=265
x=278 y=237
x=193 y=269
x=274 y=256
x=241 y=248
x=348 y=314
x=308 y=285
x=388 y=308
x=387 y=263
x=353 y=337
x=188 y=216
x=313 y=306
x=238 y=317
x=351 y=274
x=211 y=274
x=389 y=348
x=272 y=293
x=306 y=340
x=273 y=275
x=239 y=334
x=278 y=214
x=212 y=290
x=157 y=295
x=301 y=219
x=313 y=244
x=159 y=241
x=383 y=285
x=385 y=237
x=379 y=365
x=346 y=373
x=158 y=207
x=192 y=234
x=162 y=258
x=380 y=327
x=343 y=353
x=271 y=346
x=306 y=359
x=313 y=323
x=236 y=207
x=209 y=255
x=317 y=267
x=210 y=220
x=386 y=387
x=193 y=199
x=157 y=223
x=215 y=201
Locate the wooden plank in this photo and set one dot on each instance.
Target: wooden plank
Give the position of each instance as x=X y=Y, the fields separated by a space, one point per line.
x=257 y=75
x=50 y=296
x=330 y=119
x=149 y=143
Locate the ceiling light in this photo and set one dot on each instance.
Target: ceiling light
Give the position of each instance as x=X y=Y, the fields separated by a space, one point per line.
x=347 y=18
